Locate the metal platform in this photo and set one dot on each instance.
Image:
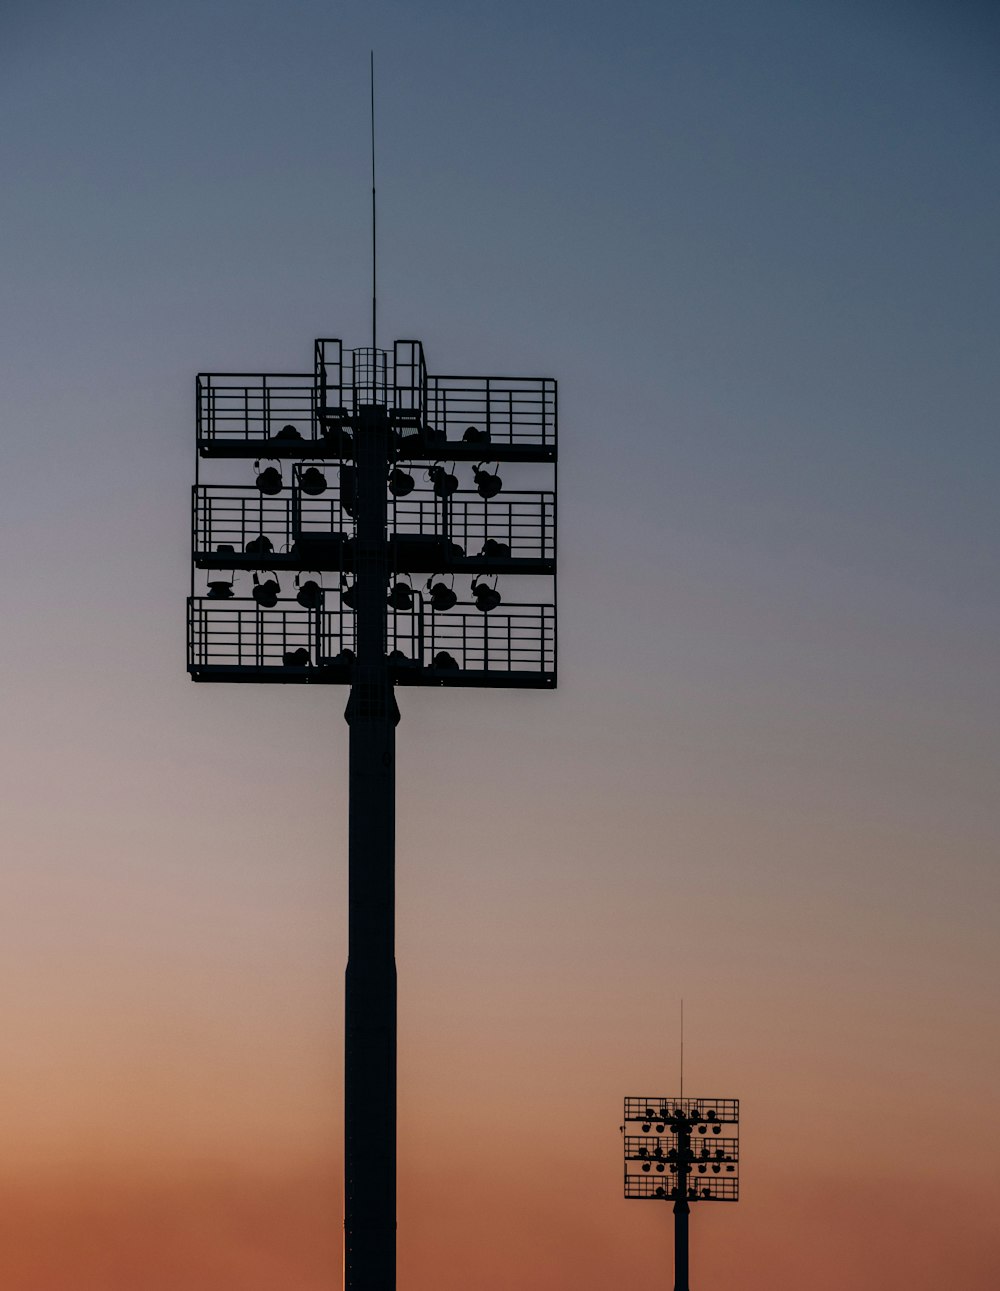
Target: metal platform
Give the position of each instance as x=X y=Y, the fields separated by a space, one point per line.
x=316 y=415
x=237 y=640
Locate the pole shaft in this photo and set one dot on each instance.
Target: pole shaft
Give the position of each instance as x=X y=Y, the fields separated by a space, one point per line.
x=370 y=1005
x=682 y=1210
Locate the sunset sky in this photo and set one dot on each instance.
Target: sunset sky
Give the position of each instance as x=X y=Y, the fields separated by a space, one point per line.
x=757 y=245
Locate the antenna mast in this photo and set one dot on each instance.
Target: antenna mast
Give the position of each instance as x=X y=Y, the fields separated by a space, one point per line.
x=371 y=69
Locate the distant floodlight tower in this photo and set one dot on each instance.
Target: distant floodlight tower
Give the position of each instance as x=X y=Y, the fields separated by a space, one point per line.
x=674 y=1151
x=349 y=563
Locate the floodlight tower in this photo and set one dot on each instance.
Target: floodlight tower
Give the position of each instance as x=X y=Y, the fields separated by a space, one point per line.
x=677 y=1156
x=369 y=557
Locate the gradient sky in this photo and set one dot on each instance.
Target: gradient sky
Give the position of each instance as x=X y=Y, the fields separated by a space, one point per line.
x=757 y=244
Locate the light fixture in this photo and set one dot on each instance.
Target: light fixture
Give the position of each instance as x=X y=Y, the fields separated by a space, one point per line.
x=473 y=435
x=401 y=596
x=445 y=482
x=346 y=656
x=266 y=593
x=494 y=550
x=288 y=432
x=442 y=597
x=488 y=484
x=716 y=1129
x=444 y=660
x=259 y=546
x=400 y=482
x=220 y=590
x=312 y=481
x=269 y=479
x=296 y=658
x=646 y=1166
x=310 y=593
x=487 y=598
x=702 y=1129
x=348 y=592
x=660 y=1129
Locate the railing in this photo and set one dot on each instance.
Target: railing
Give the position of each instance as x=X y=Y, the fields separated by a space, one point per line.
x=238 y=633
x=722 y=1110
x=657 y=1187
x=507 y=410
x=525 y=521
x=511 y=638
x=236 y=514
x=240 y=406
x=639 y=1147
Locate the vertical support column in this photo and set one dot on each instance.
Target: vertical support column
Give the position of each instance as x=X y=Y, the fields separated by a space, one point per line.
x=681 y=1207
x=370 y=1013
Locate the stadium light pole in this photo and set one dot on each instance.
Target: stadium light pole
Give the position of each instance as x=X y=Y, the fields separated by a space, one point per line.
x=374 y=418
x=678 y=1155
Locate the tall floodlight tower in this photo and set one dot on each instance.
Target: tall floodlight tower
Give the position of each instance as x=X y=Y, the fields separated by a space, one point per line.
x=682 y=1150
x=369 y=525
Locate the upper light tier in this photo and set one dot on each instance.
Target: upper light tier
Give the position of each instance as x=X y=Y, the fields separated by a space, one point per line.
x=317 y=415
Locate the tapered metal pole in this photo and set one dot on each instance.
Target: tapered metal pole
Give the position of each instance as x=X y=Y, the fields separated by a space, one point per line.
x=682 y=1209
x=370 y=1015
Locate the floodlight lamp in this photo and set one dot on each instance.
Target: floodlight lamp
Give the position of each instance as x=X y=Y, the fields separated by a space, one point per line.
x=488 y=484
x=710 y=1114
x=487 y=598
x=646 y=1166
x=660 y=1167
x=400 y=482
x=473 y=435
x=346 y=656
x=220 y=590
x=445 y=482
x=661 y=1128
x=444 y=660
x=651 y=1115
x=312 y=481
x=494 y=550
x=442 y=596
x=310 y=594
x=401 y=596
x=269 y=480
x=259 y=546
x=716 y=1129
x=225 y=549
x=658 y=1192
x=702 y=1129
x=296 y=658
x=646 y=1127
x=266 y=593
x=288 y=432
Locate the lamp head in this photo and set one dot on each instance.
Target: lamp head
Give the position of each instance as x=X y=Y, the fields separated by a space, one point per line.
x=312 y=481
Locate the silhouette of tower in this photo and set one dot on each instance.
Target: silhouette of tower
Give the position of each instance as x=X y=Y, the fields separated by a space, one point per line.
x=675 y=1151
x=375 y=498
